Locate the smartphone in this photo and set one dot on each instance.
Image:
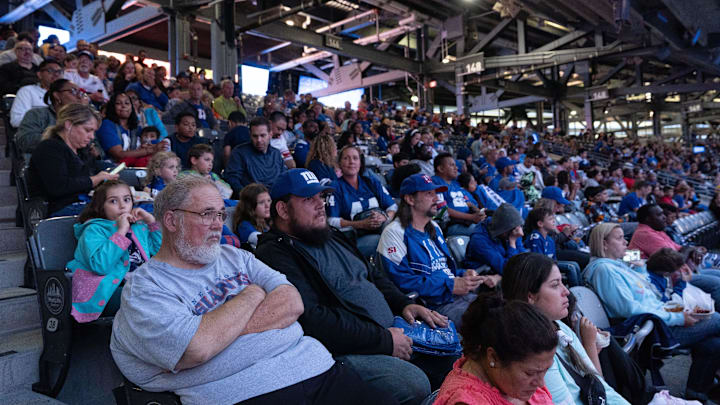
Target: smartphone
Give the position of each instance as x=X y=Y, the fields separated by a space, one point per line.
x=119 y=168
x=631 y=256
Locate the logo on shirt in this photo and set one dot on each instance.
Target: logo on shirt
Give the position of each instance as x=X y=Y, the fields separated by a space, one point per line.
x=391 y=250
x=222 y=291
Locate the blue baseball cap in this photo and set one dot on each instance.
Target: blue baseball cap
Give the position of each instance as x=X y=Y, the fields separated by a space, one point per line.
x=554 y=193
x=298 y=182
x=419 y=182
x=504 y=162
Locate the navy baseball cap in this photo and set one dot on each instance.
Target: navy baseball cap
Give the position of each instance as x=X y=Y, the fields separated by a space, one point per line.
x=298 y=182
x=419 y=182
x=554 y=193
x=504 y=162
x=86 y=53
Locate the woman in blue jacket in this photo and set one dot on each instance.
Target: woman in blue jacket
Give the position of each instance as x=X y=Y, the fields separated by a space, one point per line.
x=496 y=240
x=355 y=194
x=113 y=240
x=627 y=291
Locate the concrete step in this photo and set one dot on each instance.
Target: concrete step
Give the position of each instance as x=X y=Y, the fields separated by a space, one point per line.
x=4 y=175
x=8 y=194
x=18 y=309
x=25 y=396
x=12 y=267
x=19 y=355
x=12 y=239
x=7 y=212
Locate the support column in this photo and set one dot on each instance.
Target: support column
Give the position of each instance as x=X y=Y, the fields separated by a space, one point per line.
x=521 y=36
x=459 y=79
x=684 y=122
x=178 y=44
x=559 y=111
x=539 y=108
x=223 y=59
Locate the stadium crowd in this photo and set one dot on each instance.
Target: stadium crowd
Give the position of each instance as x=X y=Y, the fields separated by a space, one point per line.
x=339 y=233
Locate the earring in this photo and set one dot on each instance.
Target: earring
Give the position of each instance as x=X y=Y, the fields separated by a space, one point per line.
x=492 y=364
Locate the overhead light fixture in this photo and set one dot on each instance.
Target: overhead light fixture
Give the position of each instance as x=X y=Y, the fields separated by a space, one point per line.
x=448 y=59
x=556 y=25
x=432 y=84
x=414 y=98
x=290 y=22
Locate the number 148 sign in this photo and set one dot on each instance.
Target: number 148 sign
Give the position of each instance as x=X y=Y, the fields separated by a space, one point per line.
x=471 y=65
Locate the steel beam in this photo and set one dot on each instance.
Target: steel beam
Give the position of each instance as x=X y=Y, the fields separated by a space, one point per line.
x=57 y=15
x=669 y=88
x=316 y=71
x=23 y=10
x=374 y=80
x=490 y=36
x=403 y=10
x=562 y=41
x=675 y=76
x=609 y=75
x=509 y=103
x=521 y=36
x=521 y=88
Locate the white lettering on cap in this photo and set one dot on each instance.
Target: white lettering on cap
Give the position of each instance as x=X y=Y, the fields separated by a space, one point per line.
x=309 y=177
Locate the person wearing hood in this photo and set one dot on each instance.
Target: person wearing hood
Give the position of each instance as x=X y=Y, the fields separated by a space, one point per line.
x=114 y=239
x=626 y=291
x=496 y=240
x=510 y=192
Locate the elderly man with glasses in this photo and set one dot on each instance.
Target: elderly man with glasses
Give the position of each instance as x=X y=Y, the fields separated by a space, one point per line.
x=217 y=326
x=20 y=72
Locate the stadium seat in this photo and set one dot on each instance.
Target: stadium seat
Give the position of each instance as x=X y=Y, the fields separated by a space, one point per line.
x=130 y=394
x=134 y=176
x=458 y=246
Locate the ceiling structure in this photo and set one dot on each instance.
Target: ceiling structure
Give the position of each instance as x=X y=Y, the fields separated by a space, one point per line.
x=651 y=57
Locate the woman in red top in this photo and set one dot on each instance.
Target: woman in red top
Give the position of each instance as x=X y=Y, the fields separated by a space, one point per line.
x=508 y=346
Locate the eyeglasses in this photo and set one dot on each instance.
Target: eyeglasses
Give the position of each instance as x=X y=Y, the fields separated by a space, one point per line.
x=206 y=217
x=53 y=71
x=75 y=91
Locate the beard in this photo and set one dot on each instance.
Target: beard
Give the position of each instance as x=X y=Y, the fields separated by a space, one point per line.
x=312 y=235
x=202 y=254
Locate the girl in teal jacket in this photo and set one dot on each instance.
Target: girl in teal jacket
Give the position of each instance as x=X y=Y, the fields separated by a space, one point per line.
x=113 y=240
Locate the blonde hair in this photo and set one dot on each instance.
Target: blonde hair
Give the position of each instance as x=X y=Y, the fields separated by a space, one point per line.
x=157 y=162
x=598 y=236
x=322 y=150
x=75 y=113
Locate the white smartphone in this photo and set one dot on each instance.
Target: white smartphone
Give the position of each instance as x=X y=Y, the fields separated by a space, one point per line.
x=119 y=168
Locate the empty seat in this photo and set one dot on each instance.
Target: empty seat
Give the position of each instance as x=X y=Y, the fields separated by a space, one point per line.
x=458 y=247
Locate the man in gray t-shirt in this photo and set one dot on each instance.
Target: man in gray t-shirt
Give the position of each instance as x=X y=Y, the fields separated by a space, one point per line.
x=215 y=325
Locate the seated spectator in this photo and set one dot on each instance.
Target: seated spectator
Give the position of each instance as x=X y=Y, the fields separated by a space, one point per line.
x=99 y=69
x=487 y=165
x=220 y=350
x=202 y=158
x=635 y=199
x=627 y=292
x=398 y=159
x=255 y=162
x=528 y=165
x=349 y=304
x=70 y=63
x=508 y=348
x=512 y=194
x=668 y=273
x=463 y=215
x=423 y=158
x=194 y=105
x=62 y=167
x=147 y=91
x=32 y=95
x=185 y=137
x=505 y=168
x=413 y=243
x=252 y=215
x=58 y=53
x=556 y=194
x=358 y=194
x=667 y=197
x=496 y=240
x=147 y=116
x=119 y=135
x=278 y=125
x=35 y=121
x=596 y=207
x=9 y=55
x=114 y=239
x=225 y=103
x=126 y=76
x=469 y=188
x=90 y=83
x=539 y=227
x=322 y=158
x=682 y=191
x=535 y=279
x=650 y=236
x=19 y=72
x=162 y=170
x=238 y=134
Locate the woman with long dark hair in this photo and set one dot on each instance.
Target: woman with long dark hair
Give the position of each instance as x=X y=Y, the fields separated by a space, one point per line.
x=118 y=134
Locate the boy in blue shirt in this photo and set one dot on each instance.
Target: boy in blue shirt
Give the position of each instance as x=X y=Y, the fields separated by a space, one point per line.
x=540 y=228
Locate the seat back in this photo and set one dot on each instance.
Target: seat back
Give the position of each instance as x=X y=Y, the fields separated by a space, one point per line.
x=134 y=176
x=230 y=213
x=458 y=247
x=53 y=243
x=589 y=304
x=561 y=219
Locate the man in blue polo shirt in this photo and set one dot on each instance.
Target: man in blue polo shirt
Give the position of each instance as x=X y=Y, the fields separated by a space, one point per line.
x=255 y=162
x=415 y=254
x=634 y=200
x=463 y=215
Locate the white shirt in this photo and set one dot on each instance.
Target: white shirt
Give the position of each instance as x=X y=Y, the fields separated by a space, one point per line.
x=91 y=85
x=27 y=97
x=522 y=169
x=10 y=56
x=280 y=144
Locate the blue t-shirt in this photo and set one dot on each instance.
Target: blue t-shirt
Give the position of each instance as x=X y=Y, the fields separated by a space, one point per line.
x=182 y=149
x=347 y=201
x=453 y=196
x=630 y=203
x=201 y=114
x=237 y=136
x=321 y=170
x=537 y=244
x=108 y=137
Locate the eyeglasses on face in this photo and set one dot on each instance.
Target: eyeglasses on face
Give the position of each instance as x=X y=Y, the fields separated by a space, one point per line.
x=207 y=217
x=75 y=91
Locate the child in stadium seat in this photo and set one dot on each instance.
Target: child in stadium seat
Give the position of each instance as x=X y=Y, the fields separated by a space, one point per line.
x=163 y=168
x=201 y=163
x=252 y=215
x=113 y=240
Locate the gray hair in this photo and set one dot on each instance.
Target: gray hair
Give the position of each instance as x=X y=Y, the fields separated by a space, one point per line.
x=175 y=194
x=598 y=236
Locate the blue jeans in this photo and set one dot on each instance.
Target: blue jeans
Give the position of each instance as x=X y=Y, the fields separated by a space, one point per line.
x=460 y=230
x=69 y=210
x=572 y=271
x=455 y=309
x=367 y=244
x=407 y=383
x=709 y=281
x=703 y=339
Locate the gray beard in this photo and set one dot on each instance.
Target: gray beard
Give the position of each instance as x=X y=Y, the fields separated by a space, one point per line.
x=203 y=254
